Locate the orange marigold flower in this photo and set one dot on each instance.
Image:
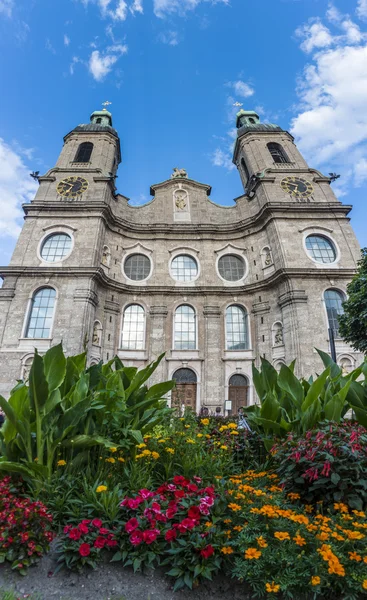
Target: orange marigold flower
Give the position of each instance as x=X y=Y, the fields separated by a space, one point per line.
x=299 y=540
x=261 y=542
x=282 y=535
x=364 y=584
x=343 y=508
x=227 y=550
x=293 y=496
x=272 y=588
x=355 y=556
x=323 y=536
x=234 y=506
x=308 y=508
x=252 y=553
x=238 y=528
x=208 y=524
x=315 y=580
x=226 y=521
x=365 y=559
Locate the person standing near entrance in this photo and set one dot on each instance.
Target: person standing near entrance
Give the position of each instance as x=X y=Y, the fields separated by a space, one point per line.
x=242 y=422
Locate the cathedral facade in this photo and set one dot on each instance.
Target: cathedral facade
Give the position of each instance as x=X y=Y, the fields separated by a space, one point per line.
x=214 y=287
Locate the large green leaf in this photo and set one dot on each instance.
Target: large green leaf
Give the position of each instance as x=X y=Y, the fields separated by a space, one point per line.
x=288 y=382
x=54 y=362
x=315 y=389
x=142 y=376
x=38 y=387
x=269 y=375
x=258 y=383
x=88 y=441
x=335 y=371
x=311 y=416
x=19 y=421
x=270 y=408
x=75 y=365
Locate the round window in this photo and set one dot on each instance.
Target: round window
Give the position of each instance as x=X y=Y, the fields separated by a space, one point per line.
x=184 y=268
x=137 y=267
x=320 y=248
x=56 y=247
x=231 y=267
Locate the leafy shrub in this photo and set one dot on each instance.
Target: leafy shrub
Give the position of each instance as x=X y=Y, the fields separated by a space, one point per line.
x=25 y=528
x=83 y=545
x=277 y=546
x=327 y=464
x=172 y=525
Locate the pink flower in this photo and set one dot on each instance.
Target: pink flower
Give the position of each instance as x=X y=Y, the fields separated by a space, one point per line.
x=97 y=523
x=131 y=525
x=171 y=535
x=67 y=528
x=145 y=494
x=326 y=469
x=132 y=503
x=84 y=550
x=136 y=537
x=150 y=535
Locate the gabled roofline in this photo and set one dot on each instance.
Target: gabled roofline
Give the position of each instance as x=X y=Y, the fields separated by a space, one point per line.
x=157 y=186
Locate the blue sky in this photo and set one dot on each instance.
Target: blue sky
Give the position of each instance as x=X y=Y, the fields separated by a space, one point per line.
x=173 y=70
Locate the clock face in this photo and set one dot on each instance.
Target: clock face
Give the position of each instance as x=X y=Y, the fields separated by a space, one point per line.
x=297 y=187
x=72 y=187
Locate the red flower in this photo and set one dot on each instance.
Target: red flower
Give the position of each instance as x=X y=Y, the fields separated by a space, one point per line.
x=179 y=494
x=84 y=550
x=194 y=513
x=67 y=528
x=145 y=494
x=75 y=534
x=132 y=503
x=170 y=535
x=150 y=535
x=207 y=551
x=97 y=523
x=103 y=531
x=100 y=542
x=131 y=525
x=185 y=525
x=326 y=469
x=111 y=543
x=83 y=528
x=136 y=537
x=179 y=480
x=170 y=512
x=192 y=487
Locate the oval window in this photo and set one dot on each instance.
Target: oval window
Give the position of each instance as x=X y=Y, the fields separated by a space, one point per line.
x=137 y=267
x=320 y=248
x=231 y=267
x=56 y=247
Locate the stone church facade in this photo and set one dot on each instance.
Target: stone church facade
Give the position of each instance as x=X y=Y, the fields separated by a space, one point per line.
x=214 y=287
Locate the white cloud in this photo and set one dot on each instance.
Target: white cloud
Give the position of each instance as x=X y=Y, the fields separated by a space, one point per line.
x=6 y=7
x=16 y=187
x=315 y=35
x=66 y=40
x=49 y=46
x=166 y=7
x=137 y=6
x=101 y=64
x=331 y=125
x=74 y=61
x=169 y=37
x=242 y=89
x=362 y=9
x=220 y=158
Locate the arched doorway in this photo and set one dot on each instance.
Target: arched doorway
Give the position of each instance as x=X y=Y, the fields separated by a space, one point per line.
x=184 y=394
x=238 y=392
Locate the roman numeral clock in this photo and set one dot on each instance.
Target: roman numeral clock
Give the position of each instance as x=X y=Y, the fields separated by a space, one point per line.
x=71 y=188
x=297 y=188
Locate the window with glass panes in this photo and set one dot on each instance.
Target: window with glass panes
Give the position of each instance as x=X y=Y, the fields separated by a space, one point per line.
x=334 y=308
x=133 y=328
x=231 y=267
x=185 y=328
x=137 y=267
x=236 y=328
x=41 y=314
x=278 y=153
x=320 y=249
x=56 y=247
x=184 y=268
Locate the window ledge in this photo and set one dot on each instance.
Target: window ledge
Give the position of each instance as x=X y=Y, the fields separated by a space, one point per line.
x=132 y=354
x=29 y=344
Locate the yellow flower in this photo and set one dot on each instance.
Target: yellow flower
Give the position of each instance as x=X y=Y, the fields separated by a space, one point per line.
x=233 y=432
x=170 y=450
x=204 y=422
x=252 y=553
x=322 y=536
x=293 y=496
x=234 y=506
x=365 y=559
x=299 y=540
x=162 y=441
x=261 y=542
x=199 y=435
x=187 y=426
x=112 y=449
x=227 y=550
x=223 y=428
x=238 y=528
x=341 y=507
x=120 y=459
x=355 y=556
x=101 y=488
x=146 y=452
x=224 y=447
x=141 y=446
x=272 y=588
x=308 y=508
x=110 y=460
x=207 y=436
x=232 y=425
x=315 y=580
x=61 y=463
x=364 y=584
x=226 y=521
x=282 y=535
x=208 y=524
x=190 y=441
x=155 y=455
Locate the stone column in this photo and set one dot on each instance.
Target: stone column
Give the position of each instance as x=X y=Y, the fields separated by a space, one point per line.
x=296 y=327
x=213 y=372
x=157 y=341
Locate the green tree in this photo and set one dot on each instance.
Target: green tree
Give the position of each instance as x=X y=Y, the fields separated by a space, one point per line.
x=353 y=323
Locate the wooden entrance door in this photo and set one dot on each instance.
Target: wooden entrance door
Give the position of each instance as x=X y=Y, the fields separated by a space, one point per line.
x=184 y=394
x=238 y=392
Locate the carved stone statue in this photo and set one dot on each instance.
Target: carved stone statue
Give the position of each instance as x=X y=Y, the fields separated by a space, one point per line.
x=106 y=256
x=26 y=369
x=96 y=340
x=268 y=259
x=178 y=173
x=181 y=199
x=278 y=338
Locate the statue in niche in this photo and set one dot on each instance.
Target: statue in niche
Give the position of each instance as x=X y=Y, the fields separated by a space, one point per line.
x=26 y=368
x=278 y=337
x=179 y=173
x=267 y=257
x=345 y=366
x=96 y=340
x=181 y=199
x=106 y=256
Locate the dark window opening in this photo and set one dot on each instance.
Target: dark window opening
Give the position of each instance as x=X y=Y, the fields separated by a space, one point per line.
x=84 y=152
x=99 y=121
x=252 y=120
x=278 y=153
x=245 y=169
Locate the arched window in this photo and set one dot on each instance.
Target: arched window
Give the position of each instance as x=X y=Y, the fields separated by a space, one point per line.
x=133 y=328
x=238 y=392
x=184 y=376
x=56 y=246
x=185 y=328
x=278 y=153
x=320 y=248
x=41 y=313
x=236 y=328
x=84 y=152
x=245 y=169
x=333 y=301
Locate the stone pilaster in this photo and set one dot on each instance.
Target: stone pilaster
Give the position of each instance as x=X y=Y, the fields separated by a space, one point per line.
x=213 y=379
